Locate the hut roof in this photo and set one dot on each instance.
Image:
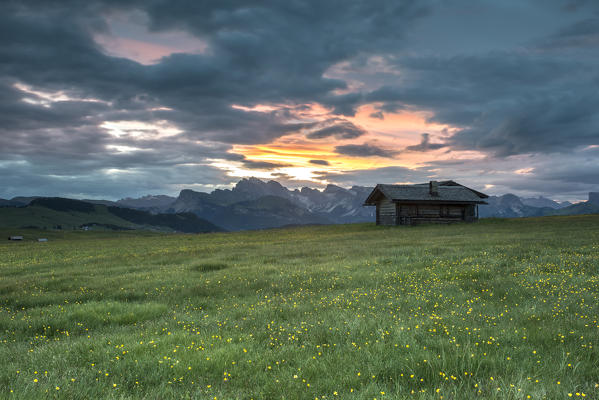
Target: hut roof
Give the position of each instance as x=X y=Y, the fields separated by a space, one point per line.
x=447 y=192
x=454 y=183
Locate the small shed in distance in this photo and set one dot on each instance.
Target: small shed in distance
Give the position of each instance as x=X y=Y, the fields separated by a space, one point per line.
x=434 y=202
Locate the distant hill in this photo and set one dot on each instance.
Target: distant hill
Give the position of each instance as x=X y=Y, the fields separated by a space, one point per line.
x=62 y=213
x=16 y=201
x=64 y=205
x=576 y=209
x=8 y=203
x=181 y=222
x=512 y=206
x=151 y=203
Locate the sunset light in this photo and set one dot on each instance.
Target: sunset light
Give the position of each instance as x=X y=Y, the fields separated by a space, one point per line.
x=299 y=199
x=309 y=94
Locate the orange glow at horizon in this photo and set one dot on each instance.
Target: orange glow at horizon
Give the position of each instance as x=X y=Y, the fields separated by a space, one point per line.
x=393 y=133
x=301 y=156
x=409 y=122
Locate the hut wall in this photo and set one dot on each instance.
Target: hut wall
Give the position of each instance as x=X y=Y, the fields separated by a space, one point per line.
x=429 y=210
x=390 y=213
x=385 y=211
x=416 y=213
x=470 y=213
x=456 y=212
x=407 y=210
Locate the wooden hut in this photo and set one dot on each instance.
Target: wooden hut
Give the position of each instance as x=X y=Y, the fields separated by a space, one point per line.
x=434 y=202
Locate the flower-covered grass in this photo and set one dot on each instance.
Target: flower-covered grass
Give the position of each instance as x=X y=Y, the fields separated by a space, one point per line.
x=500 y=309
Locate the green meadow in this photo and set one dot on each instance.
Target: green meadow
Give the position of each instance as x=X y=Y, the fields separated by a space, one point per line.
x=499 y=309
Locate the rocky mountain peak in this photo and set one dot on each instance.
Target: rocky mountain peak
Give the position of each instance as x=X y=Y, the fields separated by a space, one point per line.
x=307 y=191
x=253 y=188
x=510 y=198
x=187 y=193
x=333 y=189
x=249 y=183
x=541 y=202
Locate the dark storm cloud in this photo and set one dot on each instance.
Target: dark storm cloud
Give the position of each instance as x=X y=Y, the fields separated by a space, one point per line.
x=506 y=103
x=538 y=96
x=264 y=165
x=344 y=104
x=377 y=114
x=583 y=169
x=570 y=178
x=249 y=60
x=266 y=52
x=582 y=34
x=319 y=162
x=338 y=128
x=371 y=177
x=102 y=182
x=425 y=144
x=365 y=150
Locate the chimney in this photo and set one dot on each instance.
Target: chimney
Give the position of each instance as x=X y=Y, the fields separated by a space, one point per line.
x=433 y=188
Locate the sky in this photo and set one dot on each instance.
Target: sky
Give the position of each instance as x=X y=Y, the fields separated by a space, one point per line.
x=111 y=99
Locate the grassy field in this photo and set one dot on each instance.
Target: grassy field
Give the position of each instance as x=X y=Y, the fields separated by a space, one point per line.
x=504 y=309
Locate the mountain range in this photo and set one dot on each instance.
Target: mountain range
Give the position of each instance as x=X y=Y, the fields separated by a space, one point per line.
x=255 y=204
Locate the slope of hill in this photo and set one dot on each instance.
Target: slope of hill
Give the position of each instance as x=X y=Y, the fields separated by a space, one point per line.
x=60 y=213
x=37 y=216
x=151 y=203
x=182 y=222
x=18 y=201
x=576 y=209
x=8 y=203
x=64 y=205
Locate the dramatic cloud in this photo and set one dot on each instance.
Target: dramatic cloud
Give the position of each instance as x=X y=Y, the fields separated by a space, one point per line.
x=371 y=177
x=112 y=99
x=378 y=115
x=504 y=103
x=425 y=144
x=263 y=164
x=582 y=34
x=364 y=150
x=338 y=128
x=528 y=175
x=319 y=162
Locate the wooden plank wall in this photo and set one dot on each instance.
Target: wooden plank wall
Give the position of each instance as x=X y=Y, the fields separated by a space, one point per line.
x=389 y=213
x=386 y=212
x=431 y=213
